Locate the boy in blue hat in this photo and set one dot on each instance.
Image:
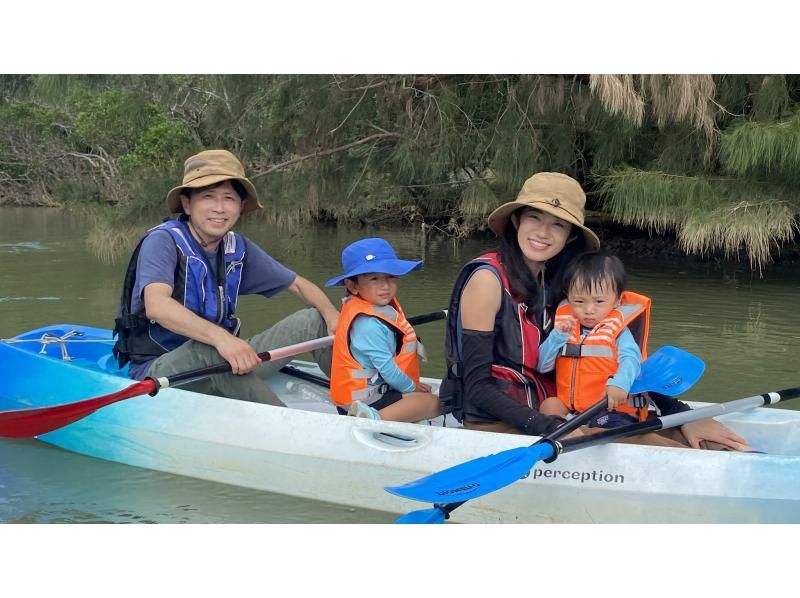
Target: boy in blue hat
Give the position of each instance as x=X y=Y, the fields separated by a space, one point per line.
x=375 y=369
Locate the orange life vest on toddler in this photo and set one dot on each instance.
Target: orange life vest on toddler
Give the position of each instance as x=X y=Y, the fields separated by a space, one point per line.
x=349 y=378
x=584 y=365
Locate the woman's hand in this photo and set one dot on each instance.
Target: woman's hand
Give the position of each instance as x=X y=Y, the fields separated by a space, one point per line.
x=710 y=430
x=422 y=387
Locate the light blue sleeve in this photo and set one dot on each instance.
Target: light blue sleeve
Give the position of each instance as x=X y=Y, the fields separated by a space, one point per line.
x=629 y=358
x=548 y=350
x=373 y=344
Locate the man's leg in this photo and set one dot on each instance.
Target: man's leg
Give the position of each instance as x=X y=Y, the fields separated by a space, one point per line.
x=192 y=355
x=301 y=326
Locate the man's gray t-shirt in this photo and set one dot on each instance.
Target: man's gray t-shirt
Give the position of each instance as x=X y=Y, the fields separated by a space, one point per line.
x=158 y=259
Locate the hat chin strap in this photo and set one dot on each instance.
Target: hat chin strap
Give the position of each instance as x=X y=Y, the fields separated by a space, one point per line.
x=199 y=238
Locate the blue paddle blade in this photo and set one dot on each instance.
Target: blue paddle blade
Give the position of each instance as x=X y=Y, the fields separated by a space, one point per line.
x=670 y=371
x=434 y=515
x=475 y=478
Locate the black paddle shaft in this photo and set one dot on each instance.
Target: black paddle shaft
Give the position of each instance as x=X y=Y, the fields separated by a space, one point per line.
x=307 y=376
x=204 y=372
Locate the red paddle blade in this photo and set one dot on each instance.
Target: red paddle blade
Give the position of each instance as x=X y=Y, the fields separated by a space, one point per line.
x=27 y=423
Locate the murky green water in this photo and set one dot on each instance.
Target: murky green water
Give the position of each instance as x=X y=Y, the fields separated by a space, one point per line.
x=747 y=330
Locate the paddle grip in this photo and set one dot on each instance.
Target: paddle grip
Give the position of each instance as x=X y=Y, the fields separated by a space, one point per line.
x=196 y=374
x=448 y=507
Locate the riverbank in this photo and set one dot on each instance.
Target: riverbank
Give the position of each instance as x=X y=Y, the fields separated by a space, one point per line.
x=619 y=239
x=628 y=241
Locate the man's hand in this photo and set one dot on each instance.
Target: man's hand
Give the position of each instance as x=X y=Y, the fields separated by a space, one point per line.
x=237 y=352
x=331 y=320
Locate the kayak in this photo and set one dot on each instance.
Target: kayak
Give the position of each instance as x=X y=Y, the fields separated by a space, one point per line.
x=308 y=450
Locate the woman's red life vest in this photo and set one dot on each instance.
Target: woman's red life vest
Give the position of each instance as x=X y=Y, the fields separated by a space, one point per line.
x=516 y=349
x=349 y=378
x=585 y=364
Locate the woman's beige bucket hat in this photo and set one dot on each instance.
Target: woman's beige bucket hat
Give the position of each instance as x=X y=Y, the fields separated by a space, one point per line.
x=551 y=192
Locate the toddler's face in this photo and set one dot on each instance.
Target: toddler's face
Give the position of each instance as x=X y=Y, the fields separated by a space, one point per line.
x=375 y=287
x=591 y=306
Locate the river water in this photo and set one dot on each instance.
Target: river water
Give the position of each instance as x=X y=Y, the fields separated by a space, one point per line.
x=746 y=328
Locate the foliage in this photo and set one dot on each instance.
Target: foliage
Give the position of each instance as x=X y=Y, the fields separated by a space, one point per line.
x=730 y=189
x=161 y=146
x=714 y=159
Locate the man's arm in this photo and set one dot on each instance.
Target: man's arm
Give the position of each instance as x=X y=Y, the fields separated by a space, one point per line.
x=161 y=307
x=313 y=296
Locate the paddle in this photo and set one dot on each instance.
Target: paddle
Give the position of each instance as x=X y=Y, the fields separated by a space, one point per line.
x=662 y=372
x=27 y=423
x=670 y=371
x=442 y=511
x=290 y=370
x=459 y=487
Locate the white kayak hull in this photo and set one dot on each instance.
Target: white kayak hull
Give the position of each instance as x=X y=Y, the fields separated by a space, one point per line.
x=320 y=455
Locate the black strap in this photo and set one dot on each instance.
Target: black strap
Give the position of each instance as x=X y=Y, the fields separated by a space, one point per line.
x=570 y=350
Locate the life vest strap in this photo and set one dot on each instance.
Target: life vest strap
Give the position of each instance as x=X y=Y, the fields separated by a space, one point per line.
x=365 y=374
x=370 y=394
x=573 y=350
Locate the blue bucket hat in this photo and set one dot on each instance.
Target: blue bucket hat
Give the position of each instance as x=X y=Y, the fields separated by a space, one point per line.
x=372 y=255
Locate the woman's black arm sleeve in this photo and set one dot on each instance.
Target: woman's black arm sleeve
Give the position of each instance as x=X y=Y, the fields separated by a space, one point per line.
x=481 y=388
x=667 y=405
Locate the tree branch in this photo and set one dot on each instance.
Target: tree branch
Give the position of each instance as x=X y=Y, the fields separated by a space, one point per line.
x=326 y=152
x=351 y=111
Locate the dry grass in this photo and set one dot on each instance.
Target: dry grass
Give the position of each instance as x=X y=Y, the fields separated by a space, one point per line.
x=707 y=214
x=676 y=98
x=618 y=95
x=756 y=227
x=110 y=241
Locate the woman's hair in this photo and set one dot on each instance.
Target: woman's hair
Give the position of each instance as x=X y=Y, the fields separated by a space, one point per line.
x=524 y=283
x=593 y=270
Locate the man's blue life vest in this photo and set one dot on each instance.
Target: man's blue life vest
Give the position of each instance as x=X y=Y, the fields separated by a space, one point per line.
x=140 y=339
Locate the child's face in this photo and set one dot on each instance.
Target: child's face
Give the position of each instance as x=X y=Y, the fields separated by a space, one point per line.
x=374 y=287
x=591 y=306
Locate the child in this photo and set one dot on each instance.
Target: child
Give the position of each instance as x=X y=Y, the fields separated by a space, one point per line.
x=375 y=369
x=599 y=340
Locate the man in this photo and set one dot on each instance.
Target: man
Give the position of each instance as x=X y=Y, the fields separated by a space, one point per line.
x=177 y=310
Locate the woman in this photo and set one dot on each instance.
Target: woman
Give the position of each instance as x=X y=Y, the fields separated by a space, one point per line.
x=502 y=307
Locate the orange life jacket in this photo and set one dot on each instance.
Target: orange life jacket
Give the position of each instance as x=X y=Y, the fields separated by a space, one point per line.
x=584 y=365
x=349 y=378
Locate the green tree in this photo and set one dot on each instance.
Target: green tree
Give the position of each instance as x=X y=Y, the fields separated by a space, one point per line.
x=712 y=159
